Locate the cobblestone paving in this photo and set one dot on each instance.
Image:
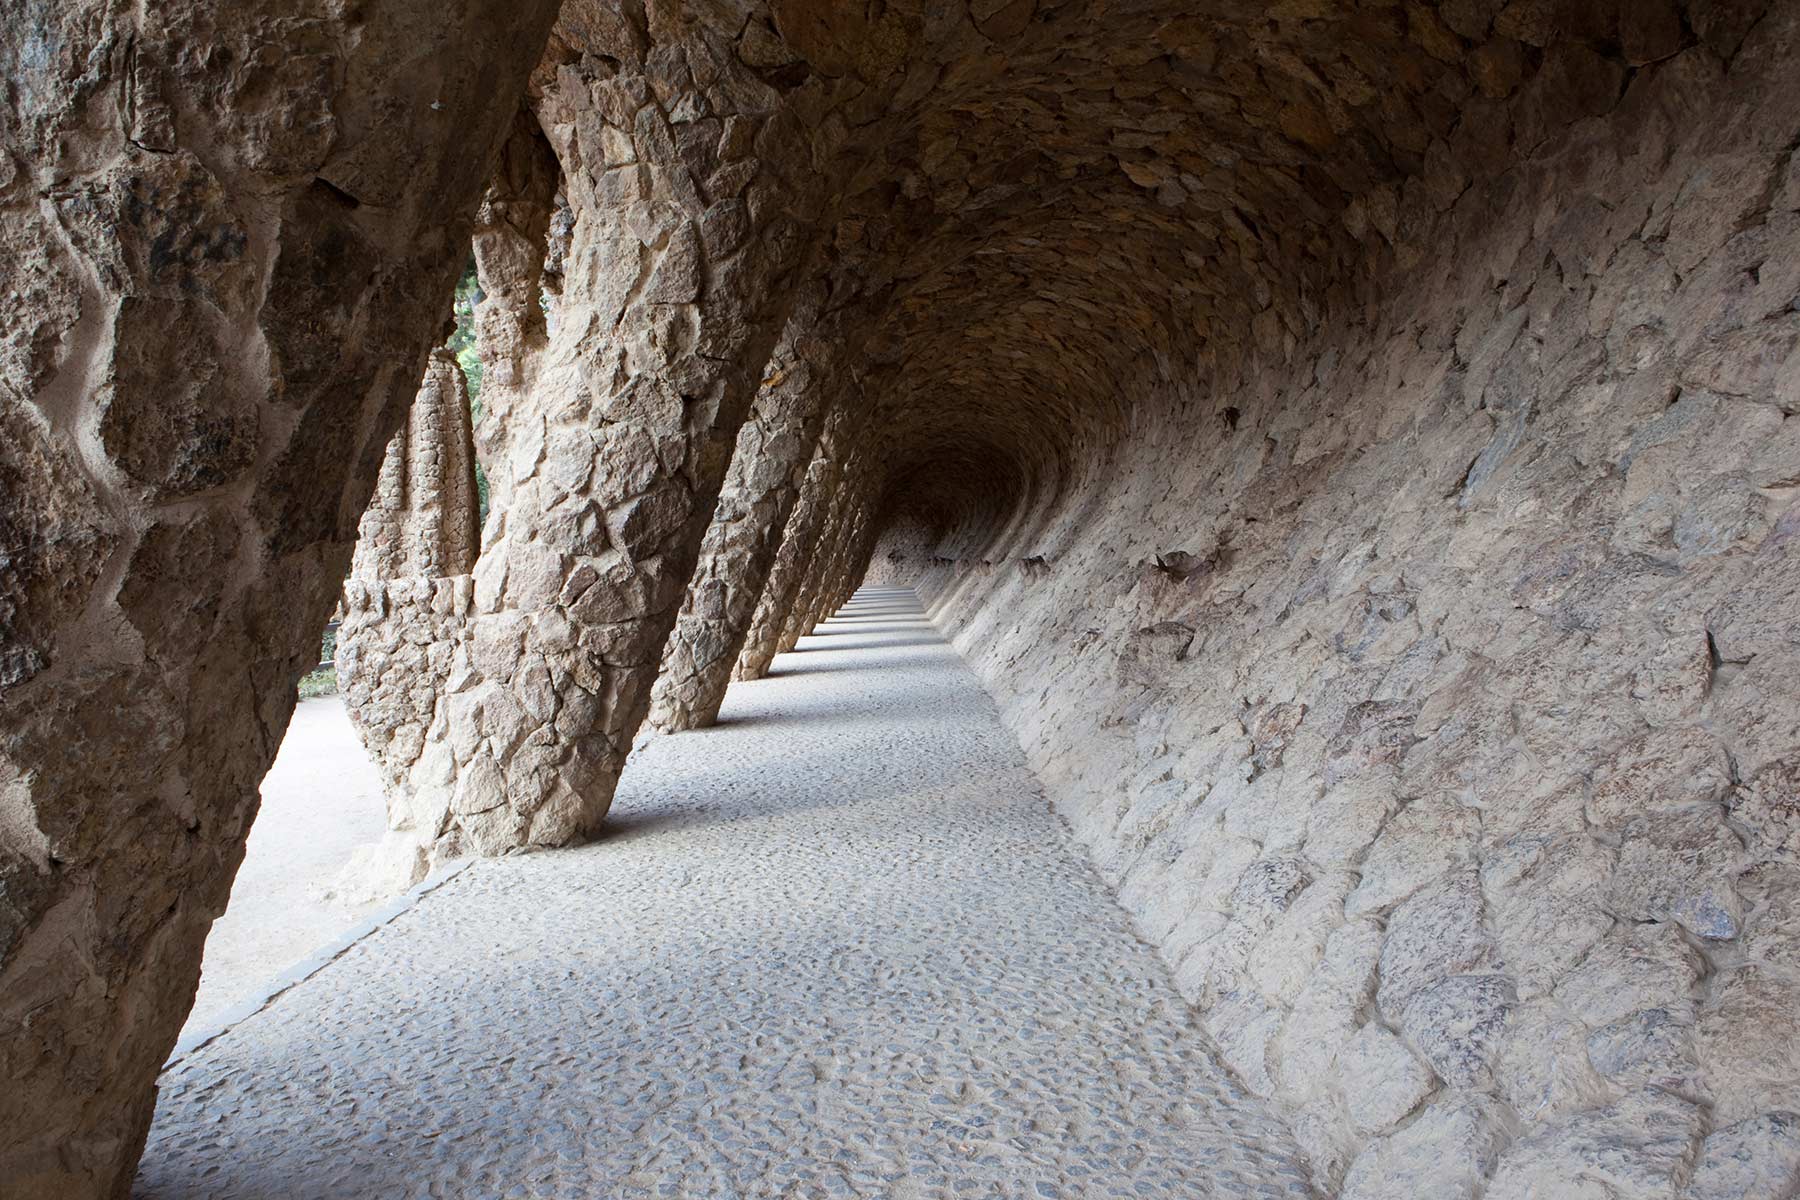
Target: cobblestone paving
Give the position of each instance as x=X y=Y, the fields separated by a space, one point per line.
x=836 y=947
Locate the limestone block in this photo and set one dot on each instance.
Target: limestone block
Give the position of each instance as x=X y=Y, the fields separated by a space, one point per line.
x=1328 y=1011
x=1652 y=1047
x=1681 y=866
x=1457 y=1025
x=1243 y=1026
x=1661 y=769
x=1448 y=1150
x=1748 y=1041
x=1543 y=1069
x=1640 y=1146
x=1423 y=842
x=1637 y=966
x=1541 y=891
x=1759 y=1156
x=1285 y=957
x=1349 y=816
x=1436 y=934
x=1380 y=1079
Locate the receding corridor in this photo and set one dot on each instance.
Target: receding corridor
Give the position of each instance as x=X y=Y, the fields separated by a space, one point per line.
x=836 y=946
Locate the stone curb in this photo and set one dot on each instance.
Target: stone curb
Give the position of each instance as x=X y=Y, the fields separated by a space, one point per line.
x=315 y=962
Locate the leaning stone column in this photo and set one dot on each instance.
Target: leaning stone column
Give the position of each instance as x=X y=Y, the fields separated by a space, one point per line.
x=230 y=238
x=798 y=546
x=856 y=565
x=692 y=189
x=510 y=243
x=406 y=602
x=798 y=621
x=852 y=556
x=822 y=572
x=767 y=473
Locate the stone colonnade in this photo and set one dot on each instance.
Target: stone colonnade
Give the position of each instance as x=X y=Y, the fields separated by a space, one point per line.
x=1365 y=436
x=693 y=192
x=800 y=547
x=768 y=474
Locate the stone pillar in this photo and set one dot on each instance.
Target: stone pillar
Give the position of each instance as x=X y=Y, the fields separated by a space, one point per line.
x=693 y=191
x=825 y=568
x=424 y=519
x=856 y=564
x=805 y=529
x=512 y=229
x=850 y=554
x=767 y=473
x=405 y=603
x=798 y=620
x=230 y=237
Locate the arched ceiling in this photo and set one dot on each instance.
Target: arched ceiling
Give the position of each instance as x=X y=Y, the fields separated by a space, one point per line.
x=1045 y=207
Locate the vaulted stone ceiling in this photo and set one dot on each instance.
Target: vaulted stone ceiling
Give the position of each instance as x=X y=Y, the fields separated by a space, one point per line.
x=1035 y=201
x=1354 y=442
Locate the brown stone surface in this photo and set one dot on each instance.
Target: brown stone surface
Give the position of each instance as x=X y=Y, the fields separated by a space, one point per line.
x=230 y=236
x=1354 y=443
x=1420 y=665
x=768 y=470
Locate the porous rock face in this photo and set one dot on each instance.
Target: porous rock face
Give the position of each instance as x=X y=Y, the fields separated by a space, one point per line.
x=768 y=470
x=406 y=606
x=799 y=546
x=1354 y=441
x=1415 y=650
x=228 y=235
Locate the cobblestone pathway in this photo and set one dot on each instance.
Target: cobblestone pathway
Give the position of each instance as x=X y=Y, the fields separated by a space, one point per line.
x=836 y=947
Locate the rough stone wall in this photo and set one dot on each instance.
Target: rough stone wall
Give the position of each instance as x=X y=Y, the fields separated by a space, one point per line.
x=228 y=235
x=1439 y=716
x=902 y=553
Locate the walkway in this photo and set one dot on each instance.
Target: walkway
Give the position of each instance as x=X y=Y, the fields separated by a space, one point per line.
x=836 y=947
x=320 y=800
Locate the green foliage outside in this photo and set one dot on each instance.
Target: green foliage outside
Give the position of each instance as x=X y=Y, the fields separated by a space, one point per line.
x=323 y=682
x=462 y=344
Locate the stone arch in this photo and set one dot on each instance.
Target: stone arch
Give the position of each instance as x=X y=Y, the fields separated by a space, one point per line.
x=1358 y=441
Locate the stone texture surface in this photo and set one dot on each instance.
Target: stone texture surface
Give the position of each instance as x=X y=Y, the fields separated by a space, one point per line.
x=692 y=191
x=405 y=607
x=1357 y=442
x=425 y=516
x=708 y=1004
x=768 y=470
x=799 y=546
x=1421 y=668
x=228 y=236
x=903 y=551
